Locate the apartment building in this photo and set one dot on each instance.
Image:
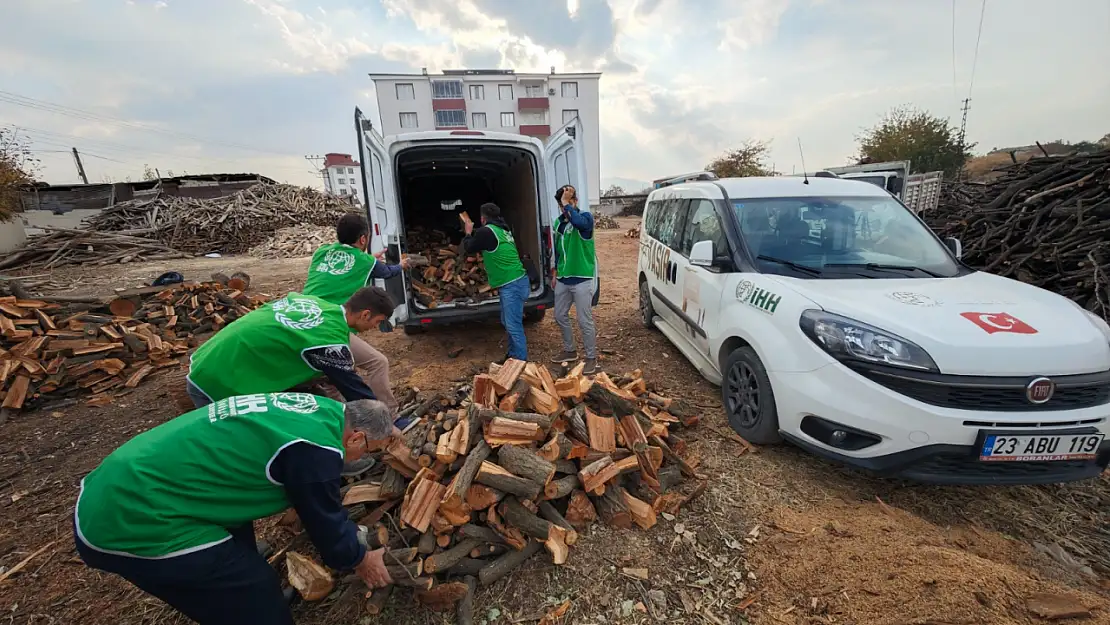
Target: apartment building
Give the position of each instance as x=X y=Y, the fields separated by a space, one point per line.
x=495 y=100
x=342 y=175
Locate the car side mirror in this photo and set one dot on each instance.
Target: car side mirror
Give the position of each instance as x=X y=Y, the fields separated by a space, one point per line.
x=956 y=247
x=702 y=254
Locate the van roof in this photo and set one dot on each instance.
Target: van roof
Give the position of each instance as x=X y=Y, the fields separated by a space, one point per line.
x=775 y=186
x=462 y=134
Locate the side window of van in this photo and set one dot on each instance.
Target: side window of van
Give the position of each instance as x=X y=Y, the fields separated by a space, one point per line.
x=651 y=218
x=703 y=225
x=376 y=179
x=671 y=219
x=562 y=175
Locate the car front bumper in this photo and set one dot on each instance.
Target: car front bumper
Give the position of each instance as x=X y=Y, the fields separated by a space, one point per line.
x=924 y=442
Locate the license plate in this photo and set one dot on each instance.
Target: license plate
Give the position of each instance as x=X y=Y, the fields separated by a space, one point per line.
x=1039 y=447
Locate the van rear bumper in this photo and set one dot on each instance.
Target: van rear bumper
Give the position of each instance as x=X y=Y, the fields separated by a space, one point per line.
x=477 y=312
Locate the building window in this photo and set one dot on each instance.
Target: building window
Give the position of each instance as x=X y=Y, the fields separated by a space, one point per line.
x=454 y=118
x=405 y=91
x=446 y=89
x=569 y=114
x=350 y=170
x=533 y=91
x=409 y=120
x=570 y=90
x=477 y=92
x=508 y=120
x=505 y=92
x=478 y=120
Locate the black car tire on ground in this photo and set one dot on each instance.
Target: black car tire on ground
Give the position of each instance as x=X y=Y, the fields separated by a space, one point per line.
x=647 y=311
x=748 y=398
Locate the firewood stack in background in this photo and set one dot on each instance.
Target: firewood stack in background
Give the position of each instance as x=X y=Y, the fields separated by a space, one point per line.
x=51 y=353
x=449 y=275
x=511 y=465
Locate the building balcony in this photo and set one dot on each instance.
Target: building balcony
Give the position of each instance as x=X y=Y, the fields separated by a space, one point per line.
x=535 y=130
x=532 y=103
x=446 y=104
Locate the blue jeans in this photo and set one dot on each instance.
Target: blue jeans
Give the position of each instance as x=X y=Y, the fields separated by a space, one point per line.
x=199 y=397
x=513 y=295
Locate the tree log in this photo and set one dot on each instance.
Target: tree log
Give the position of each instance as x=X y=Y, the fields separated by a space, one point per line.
x=548 y=512
x=602 y=432
x=610 y=402
x=442 y=597
x=427 y=543
x=558 y=446
x=580 y=510
x=543 y=421
x=480 y=496
x=456 y=494
x=594 y=475
x=642 y=513
x=566 y=467
x=576 y=422
x=525 y=463
x=523 y=519
x=464 y=613
x=562 y=487
x=376 y=603
x=504 y=565
x=446 y=559
x=517 y=394
x=496 y=477
x=480 y=533
x=468 y=566
x=612 y=510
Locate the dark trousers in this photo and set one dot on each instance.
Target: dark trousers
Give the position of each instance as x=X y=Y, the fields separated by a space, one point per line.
x=226 y=584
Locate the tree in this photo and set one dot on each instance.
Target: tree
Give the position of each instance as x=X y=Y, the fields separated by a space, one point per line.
x=148 y=173
x=613 y=190
x=17 y=168
x=750 y=159
x=929 y=143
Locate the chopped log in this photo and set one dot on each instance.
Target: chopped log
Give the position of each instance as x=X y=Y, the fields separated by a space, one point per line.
x=602 y=437
x=547 y=382
x=569 y=388
x=543 y=403
x=408 y=575
x=557 y=545
x=612 y=510
x=502 y=431
x=427 y=543
x=400 y=556
x=642 y=513
x=548 y=512
x=311 y=580
x=240 y=281
x=481 y=534
x=446 y=559
x=363 y=493
x=442 y=597
x=687 y=470
x=123 y=306
x=507 y=375
x=421 y=504
x=443 y=451
x=543 y=421
x=392 y=484
x=377 y=600
x=464 y=613
x=510 y=535
x=505 y=564
x=636 y=440
x=597 y=473
x=485 y=394
x=610 y=402
x=460 y=485
x=523 y=519
x=468 y=566
x=562 y=487
x=576 y=423
x=580 y=510
x=480 y=496
x=525 y=463
x=566 y=467
x=558 y=446
x=136 y=378
x=497 y=477
x=17 y=393
x=376 y=514
x=486 y=550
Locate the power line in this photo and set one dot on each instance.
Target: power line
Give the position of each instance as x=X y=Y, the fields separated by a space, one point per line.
x=83 y=153
x=975 y=59
x=59 y=109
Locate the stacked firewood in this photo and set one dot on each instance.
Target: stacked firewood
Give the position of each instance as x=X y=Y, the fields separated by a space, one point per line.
x=519 y=466
x=449 y=274
x=632 y=233
x=605 y=222
x=1042 y=221
x=294 y=242
x=50 y=354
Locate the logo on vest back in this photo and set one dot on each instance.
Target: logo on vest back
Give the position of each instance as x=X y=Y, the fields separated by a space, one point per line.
x=298 y=313
x=336 y=262
x=303 y=403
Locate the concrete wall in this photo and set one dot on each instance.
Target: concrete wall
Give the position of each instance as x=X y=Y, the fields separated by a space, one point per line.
x=12 y=235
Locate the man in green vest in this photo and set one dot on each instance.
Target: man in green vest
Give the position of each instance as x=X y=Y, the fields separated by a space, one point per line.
x=338 y=270
x=285 y=343
x=172 y=510
x=575 y=265
x=506 y=273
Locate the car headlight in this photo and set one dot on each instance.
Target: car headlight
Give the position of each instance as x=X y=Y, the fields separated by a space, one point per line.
x=848 y=339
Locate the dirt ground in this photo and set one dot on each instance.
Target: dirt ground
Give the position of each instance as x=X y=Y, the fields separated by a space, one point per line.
x=779 y=536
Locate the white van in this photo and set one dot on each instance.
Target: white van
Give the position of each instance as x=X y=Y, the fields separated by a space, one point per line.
x=832 y=317
x=426 y=178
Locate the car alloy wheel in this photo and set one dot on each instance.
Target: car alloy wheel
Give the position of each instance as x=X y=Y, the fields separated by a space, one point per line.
x=646 y=310
x=743 y=394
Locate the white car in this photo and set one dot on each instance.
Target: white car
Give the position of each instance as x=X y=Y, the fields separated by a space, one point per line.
x=832 y=317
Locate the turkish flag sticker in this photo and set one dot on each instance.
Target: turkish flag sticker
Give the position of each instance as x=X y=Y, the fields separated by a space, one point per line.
x=999 y=322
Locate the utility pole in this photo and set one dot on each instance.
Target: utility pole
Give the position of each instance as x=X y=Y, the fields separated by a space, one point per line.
x=316 y=161
x=80 y=167
x=963 y=133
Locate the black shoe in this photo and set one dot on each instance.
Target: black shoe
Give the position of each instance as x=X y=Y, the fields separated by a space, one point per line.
x=591 y=367
x=563 y=358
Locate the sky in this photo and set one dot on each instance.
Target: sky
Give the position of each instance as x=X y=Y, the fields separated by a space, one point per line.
x=204 y=86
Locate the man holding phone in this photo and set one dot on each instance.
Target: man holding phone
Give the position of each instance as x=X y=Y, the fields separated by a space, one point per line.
x=575 y=266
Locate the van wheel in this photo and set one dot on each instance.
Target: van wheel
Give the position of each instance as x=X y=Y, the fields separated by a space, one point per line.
x=535 y=315
x=413 y=330
x=748 y=398
x=647 y=311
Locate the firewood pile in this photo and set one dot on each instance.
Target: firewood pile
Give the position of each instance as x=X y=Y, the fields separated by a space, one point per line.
x=509 y=466
x=294 y=242
x=64 y=246
x=632 y=233
x=1043 y=221
x=231 y=224
x=53 y=353
x=605 y=222
x=448 y=275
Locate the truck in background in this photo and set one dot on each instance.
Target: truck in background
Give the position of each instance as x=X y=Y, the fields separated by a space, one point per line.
x=920 y=192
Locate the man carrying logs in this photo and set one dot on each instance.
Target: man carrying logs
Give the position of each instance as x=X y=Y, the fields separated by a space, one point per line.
x=172 y=510
x=575 y=263
x=505 y=271
x=338 y=270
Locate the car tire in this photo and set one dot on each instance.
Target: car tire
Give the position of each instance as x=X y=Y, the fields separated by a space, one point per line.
x=534 y=315
x=748 y=398
x=647 y=311
x=413 y=330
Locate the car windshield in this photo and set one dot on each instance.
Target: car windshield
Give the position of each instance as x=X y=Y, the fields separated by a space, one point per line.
x=841 y=237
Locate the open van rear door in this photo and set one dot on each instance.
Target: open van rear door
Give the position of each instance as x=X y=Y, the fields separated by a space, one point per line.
x=564 y=159
x=381 y=206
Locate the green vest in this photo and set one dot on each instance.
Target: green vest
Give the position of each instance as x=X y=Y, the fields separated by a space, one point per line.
x=502 y=264
x=576 y=255
x=261 y=352
x=337 y=271
x=177 y=488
